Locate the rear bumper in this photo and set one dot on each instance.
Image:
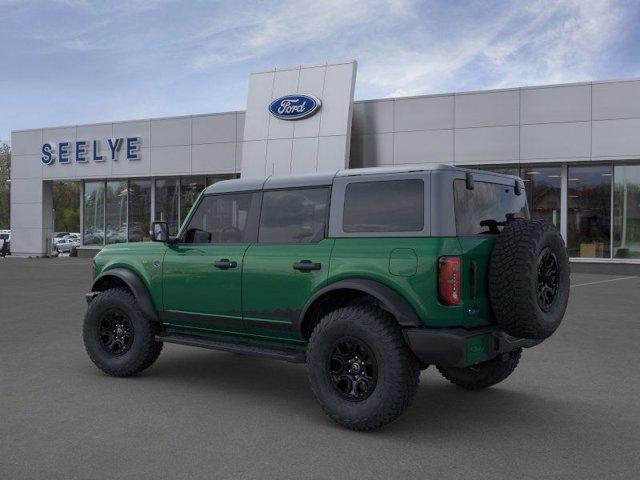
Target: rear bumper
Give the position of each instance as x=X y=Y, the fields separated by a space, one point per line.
x=457 y=347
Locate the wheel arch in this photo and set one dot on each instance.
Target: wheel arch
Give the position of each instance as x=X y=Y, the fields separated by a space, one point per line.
x=124 y=277
x=345 y=291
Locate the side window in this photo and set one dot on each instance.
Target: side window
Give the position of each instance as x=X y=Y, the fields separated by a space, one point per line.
x=384 y=206
x=294 y=216
x=224 y=218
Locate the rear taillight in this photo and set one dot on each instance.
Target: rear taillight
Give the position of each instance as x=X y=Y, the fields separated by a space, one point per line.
x=449 y=280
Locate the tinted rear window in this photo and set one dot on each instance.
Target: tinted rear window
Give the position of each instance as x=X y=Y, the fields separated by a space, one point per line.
x=386 y=206
x=483 y=209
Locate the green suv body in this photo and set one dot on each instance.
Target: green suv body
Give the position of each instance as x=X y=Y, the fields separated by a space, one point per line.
x=297 y=267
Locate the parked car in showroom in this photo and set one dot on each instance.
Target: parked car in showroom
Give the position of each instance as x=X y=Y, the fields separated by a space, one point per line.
x=367 y=276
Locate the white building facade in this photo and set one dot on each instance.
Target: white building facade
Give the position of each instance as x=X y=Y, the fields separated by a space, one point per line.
x=577 y=146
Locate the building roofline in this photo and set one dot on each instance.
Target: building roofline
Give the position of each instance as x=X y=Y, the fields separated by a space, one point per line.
x=116 y=122
x=498 y=90
x=369 y=100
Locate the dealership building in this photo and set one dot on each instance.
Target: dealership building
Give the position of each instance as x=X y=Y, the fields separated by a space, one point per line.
x=577 y=147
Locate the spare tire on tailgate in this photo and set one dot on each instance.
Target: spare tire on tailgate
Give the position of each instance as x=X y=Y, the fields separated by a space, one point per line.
x=529 y=279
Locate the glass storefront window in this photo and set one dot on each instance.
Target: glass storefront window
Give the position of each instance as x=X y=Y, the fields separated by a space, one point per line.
x=543 y=188
x=116 y=211
x=93 y=228
x=626 y=211
x=139 y=222
x=190 y=188
x=589 y=211
x=505 y=170
x=167 y=203
x=119 y=210
x=217 y=178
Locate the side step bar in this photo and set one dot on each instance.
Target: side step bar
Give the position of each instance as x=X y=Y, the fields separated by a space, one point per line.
x=288 y=355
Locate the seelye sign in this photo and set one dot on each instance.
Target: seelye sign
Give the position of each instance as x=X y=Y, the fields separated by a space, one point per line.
x=82 y=151
x=294 y=107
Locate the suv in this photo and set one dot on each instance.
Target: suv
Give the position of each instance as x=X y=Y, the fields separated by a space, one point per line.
x=366 y=275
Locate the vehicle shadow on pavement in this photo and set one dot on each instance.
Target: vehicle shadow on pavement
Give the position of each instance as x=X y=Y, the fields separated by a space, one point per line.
x=445 y=410
x=440 y=410
x=261 y=378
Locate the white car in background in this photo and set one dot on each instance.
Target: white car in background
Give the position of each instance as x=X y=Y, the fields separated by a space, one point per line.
x=57 y=236
x=65 y=245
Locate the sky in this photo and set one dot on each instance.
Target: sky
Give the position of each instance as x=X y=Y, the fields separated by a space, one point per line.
x=80 y=61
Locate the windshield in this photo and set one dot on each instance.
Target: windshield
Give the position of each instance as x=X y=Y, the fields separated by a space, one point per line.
x=484 y=209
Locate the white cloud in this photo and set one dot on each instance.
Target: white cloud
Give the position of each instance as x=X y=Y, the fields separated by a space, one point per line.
x=257 y=31
x=404 y=47
x=410 y=48
x=534 y=43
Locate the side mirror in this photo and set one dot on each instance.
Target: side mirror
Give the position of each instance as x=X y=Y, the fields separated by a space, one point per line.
x=160 y=232
x=469 y=180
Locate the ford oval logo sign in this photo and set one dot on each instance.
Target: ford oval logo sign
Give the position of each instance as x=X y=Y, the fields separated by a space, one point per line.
x=294 y=107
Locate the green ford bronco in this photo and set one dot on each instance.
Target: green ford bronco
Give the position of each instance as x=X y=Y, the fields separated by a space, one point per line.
x=366 y=275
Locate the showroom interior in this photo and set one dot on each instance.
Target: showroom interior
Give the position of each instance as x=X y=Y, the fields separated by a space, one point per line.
x=575 y=145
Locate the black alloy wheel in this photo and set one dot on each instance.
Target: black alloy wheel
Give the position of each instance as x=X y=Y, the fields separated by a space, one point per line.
x=119 y=338
x=529 y=279
x=360 y=368
x=116 y=332
x=353 y=369
x=547 y=279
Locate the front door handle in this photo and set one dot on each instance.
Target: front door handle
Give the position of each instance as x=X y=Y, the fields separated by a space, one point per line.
x=225 y=263
x=306 y=265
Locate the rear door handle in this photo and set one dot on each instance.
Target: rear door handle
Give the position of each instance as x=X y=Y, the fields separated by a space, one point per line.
x=225 y=263
x=306 y=265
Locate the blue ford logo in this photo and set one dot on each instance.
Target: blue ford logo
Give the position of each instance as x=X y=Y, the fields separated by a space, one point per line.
x=294 y=107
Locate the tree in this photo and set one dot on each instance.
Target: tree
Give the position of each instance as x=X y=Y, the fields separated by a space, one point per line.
x=5 y=168
x=66 y=204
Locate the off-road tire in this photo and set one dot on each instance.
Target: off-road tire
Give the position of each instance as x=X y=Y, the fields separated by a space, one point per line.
x=484 y=374
x=144 y=349
x=398 y=371
x=514 y=278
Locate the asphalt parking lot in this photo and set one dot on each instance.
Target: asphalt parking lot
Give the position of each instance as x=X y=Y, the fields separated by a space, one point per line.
x=571 y=409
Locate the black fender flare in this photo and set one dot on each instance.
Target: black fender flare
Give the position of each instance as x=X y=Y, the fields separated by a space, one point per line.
x=392 y=300
x=136 y=285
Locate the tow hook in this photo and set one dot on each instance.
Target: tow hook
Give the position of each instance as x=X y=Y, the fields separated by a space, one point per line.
x=90 y=296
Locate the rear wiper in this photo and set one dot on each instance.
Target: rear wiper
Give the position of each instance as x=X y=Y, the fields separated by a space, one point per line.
x=494 y=224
